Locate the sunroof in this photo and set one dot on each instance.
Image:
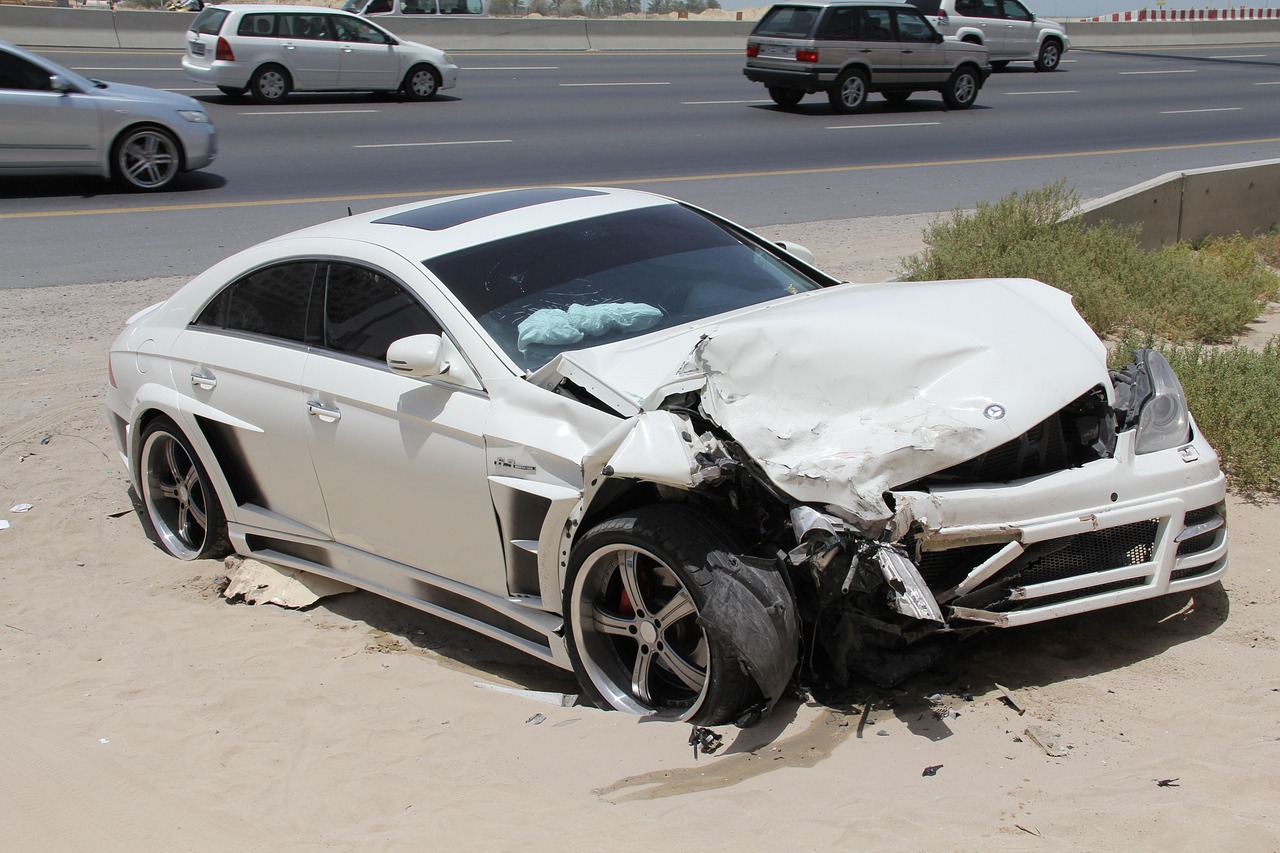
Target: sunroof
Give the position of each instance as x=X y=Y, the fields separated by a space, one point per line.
x=438 y=217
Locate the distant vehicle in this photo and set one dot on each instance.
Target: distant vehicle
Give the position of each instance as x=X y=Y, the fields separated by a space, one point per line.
x=271 y=51
x=850 y=48
x=53 y=121
x=1009 y=30
x=378 y=8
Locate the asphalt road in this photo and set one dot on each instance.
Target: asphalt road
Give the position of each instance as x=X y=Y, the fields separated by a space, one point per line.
x=688 y=125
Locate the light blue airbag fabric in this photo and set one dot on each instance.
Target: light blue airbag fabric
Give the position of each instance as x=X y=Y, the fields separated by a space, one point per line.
x=559 y=326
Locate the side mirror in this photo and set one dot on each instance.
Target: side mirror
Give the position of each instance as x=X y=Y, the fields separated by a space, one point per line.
x=796 y=250
x=418 y=355
x=58 y=83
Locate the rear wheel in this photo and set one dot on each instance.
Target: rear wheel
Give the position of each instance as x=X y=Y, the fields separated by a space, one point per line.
x=270 y=84
x=146 y=158
x=635 y=588
x=1050 y=55
x=785 y=98
x=849 y=93
x=962 y=89
x=421 y=83
x=179 y=498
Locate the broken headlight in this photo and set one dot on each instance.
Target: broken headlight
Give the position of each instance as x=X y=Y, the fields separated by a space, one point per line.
x=1164 y=422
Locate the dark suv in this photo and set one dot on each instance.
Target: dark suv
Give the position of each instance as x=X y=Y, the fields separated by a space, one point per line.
x=850 y=48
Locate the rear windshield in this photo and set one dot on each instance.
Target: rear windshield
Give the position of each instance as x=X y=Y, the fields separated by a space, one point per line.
x=209 y=21
x=787 y=22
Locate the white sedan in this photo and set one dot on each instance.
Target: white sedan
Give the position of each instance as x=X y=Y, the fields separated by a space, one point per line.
x=635 y=440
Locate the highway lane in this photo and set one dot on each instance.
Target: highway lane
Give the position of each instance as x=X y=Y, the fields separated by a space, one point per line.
x=688 y=125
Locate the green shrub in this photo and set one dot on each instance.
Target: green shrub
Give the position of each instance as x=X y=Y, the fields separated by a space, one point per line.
x=1179 y=293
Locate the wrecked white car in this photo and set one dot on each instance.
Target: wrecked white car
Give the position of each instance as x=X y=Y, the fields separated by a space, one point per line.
x=637 y=441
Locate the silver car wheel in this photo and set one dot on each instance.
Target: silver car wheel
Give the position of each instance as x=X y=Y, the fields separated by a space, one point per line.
x=962 y=90
x=147 y=158
x=270 y=85
x=180 y=503
x=850 y=92
x=1050 y=56
x=636 y=628
x=421 y=83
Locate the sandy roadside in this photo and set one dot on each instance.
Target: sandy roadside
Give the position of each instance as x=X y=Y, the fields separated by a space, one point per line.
x=141 y=712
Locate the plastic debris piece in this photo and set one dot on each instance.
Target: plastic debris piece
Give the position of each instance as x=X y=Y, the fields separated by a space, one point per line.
x=560 y=700
x=1034 y=832
x=536 y=720
x=4 y=525
x=1007 y=698
x=1168 y=783
x=21 y=508
x=932 y=770
x=1046 y=743
x=259 y=583
x=704 y=740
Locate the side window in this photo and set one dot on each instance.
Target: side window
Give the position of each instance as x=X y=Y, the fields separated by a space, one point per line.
x=366 y=311
x=351 y=29
x=311 y=27
x=876 y=25
x=262 y=26
x=17 y=73
x=840 y=25
x=378 y=7
x=913 y=27
x=418 y=7
x=1015 y=11
x=209 y=21
x=275 y=301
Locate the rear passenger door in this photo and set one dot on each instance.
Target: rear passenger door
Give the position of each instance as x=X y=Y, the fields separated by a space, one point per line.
x=859 y=35
x=309 y=50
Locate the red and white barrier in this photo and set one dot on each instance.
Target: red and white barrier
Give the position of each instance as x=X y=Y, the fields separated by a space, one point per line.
x=1230 y=14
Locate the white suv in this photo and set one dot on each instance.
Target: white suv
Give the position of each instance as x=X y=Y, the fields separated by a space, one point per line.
x=273 y=50
x=1010 y=31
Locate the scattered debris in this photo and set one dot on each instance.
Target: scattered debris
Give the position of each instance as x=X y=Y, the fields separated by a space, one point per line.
x=4 y=525
x=704 y=740
x=1042 y=740
x=536 y=720
x=560 y=700
x=1034 y=832
x=932 y=770
x=256 y=582
x=121 y=514
x=862 y=720
x=1006 y=696
x=1168 y=783
x=1189 y=607
x=21 y=508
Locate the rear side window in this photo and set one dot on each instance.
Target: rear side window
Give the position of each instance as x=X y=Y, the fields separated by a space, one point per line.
x=276 y=301
x=856 y=23
x=787 y=22
x=209 y=21
x=263 y=26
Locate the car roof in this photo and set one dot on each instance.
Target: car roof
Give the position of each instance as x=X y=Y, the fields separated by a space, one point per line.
x=426 y=229
x=272 y=7
x=824 y=3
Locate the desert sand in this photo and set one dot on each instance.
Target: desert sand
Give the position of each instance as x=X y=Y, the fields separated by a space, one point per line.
x=139 y=711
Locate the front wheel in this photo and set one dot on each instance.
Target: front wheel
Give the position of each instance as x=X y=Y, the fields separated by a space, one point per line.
x=179 y=498
x=1050 y=56
x=270 y=84
x=849 y=93
x=635 y=588
x=421 y=83
x=146 y=159
x=962 y=89
x=785 y=98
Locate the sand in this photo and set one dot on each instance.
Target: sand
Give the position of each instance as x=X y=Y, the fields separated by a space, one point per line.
x=141 y=712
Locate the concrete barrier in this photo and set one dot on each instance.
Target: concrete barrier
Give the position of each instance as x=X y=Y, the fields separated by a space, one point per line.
x=59 y=27
x=1190 y=206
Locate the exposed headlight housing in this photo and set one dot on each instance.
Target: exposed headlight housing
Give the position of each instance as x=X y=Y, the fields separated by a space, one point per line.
x=196 y=116
x=1164 y=421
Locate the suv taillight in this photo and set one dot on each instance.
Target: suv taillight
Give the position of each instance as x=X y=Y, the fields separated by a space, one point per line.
x=753 y=50
x=222 y=52
x=803 y=55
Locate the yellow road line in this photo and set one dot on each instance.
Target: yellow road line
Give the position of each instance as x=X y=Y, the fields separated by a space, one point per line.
x=775 y=173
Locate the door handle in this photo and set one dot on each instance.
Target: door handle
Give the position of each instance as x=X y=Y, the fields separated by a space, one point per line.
x=346 y=50
x=290 y=47
x=328 y=414
x=203 y=379
x=865 y=50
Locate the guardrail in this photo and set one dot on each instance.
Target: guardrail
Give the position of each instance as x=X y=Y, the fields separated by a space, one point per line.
x=129 y=28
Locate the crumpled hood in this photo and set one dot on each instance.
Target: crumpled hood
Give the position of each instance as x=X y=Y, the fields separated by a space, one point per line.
x=843 y=393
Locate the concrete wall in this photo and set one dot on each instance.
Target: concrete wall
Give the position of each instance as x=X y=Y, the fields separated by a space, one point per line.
x=1193 y=205
x=58 y=27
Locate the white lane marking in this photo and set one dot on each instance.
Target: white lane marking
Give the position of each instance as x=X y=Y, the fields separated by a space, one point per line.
x=574 y=85
x=428 y=144
x=1272 y=83
x=703 y=103
x=1054 y=92
x=874 y=126
x=305 y=112
x=1177 y=71
x=1241 y=56
x=1214 y=110
x=510 y=67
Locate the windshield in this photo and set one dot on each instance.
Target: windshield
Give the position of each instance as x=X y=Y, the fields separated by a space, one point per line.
x=611 y=277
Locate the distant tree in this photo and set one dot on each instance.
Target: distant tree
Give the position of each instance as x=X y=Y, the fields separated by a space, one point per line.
x=571 y=8
x=542 y=7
